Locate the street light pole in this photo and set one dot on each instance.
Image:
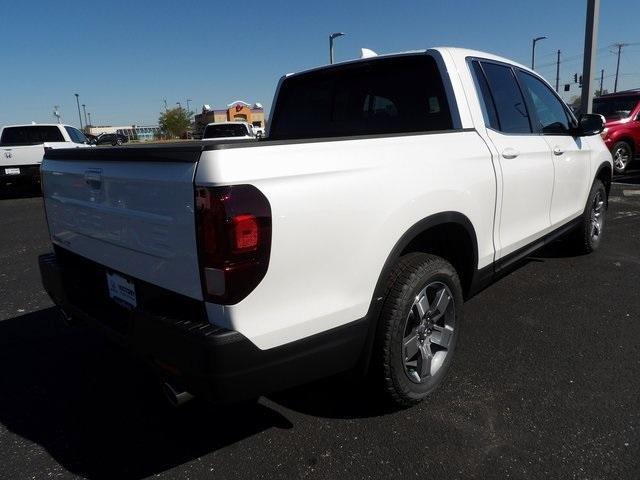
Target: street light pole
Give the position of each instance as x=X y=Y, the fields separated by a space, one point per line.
x=589 y=62
x=188 y=100
x=78 y=103
x=90 y=119
x=533 y=51
x=332 y=37
x=84 y=109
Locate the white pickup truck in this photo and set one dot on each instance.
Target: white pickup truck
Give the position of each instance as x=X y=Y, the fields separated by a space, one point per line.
x=228 y=131
x=389 y=190
x=22 y=148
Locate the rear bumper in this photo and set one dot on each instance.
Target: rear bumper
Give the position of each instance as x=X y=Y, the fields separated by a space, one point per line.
x=217 y=364
x=28 y=174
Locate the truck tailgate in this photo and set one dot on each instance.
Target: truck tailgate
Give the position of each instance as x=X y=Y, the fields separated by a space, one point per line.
x=135 y=217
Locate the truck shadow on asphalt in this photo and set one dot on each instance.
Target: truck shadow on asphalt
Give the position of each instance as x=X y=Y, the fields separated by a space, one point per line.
x=12 y=192
x=98 y=412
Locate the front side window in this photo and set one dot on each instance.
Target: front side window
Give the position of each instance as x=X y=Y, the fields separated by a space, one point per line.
x=550 y=114
x=76 y=135
x=509 y=103
x=390 y=95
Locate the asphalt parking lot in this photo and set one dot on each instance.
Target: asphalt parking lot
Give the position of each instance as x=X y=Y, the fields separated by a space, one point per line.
x=546 y=384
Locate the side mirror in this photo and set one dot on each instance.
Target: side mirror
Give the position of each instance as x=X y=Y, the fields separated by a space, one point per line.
x=590 y=124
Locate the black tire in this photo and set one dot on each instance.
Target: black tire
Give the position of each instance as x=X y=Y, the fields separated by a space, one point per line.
x=400 y=382
x=119 y=142
x=584 y=238
x=622 y=156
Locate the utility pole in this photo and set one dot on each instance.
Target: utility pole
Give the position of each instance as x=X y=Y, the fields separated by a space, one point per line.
x=619 y=45
x=84 y=109
x=601 y=79
x=78 y=103
x=332 y=37
x=590 y=45
x=558 y=72
x=90 y=119
x=533 y=51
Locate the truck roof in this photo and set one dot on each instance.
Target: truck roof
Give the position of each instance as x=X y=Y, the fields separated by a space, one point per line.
x=38 y=125
x=452 y=51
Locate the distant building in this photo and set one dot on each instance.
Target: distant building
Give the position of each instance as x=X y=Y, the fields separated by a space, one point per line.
x=237 y=111
x=142 y=133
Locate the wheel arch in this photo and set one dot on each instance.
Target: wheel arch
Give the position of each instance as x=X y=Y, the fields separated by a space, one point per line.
x=427 y=235
x=604 y=173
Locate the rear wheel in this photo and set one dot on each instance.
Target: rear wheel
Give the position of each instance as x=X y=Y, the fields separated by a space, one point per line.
x=622 y=155
x=418 y=328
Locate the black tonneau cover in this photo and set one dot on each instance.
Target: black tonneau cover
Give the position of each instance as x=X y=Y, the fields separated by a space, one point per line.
x=188 y=152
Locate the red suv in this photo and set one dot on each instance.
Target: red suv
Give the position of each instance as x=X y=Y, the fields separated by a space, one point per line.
x=621 y=111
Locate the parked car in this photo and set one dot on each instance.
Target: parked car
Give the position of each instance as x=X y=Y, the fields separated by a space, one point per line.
x=22 y=148
x=228 y=131
x=622 y=129
x=111 y=139
x=259 y=132
x=347 y=241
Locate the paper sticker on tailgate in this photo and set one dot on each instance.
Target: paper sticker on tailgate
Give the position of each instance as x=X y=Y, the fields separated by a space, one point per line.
x=121 y=290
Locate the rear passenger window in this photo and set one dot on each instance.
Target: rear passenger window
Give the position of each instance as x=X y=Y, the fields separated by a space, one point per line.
x=391 y=95
x=30 y=135
x=509 y=103
x=491 y=116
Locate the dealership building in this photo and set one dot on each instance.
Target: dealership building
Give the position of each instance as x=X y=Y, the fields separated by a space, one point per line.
x=237 y=111
x=143 y=133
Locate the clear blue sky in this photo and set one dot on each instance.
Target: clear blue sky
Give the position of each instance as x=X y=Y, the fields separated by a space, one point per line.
x=123 y=58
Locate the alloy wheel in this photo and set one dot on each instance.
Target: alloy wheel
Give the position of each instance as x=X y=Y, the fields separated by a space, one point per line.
x=597 y=216
x=428 y=332
x=621 y=158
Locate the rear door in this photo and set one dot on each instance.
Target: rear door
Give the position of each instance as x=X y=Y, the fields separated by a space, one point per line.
x=571 y=155
x=524 y=158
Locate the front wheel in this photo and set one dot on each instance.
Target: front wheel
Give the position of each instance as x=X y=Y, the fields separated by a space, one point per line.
x=621 y=154
x=418 y=328
x=588 y=235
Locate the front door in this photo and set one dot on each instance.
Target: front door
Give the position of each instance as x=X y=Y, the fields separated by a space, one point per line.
x=524 y=159
x=571 y=155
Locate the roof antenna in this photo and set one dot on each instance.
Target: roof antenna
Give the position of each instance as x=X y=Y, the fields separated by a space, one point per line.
x=367 y=53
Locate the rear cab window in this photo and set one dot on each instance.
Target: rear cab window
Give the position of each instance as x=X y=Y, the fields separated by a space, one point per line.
x=400 y=94
x=225 y=130
x=30 y=135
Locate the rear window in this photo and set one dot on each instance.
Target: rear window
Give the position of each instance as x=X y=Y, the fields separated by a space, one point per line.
x=225 y=130
x=30 y=135
x=615 y=108
x=392 y=95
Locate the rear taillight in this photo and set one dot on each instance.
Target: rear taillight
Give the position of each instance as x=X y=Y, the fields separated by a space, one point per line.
x=234 y=236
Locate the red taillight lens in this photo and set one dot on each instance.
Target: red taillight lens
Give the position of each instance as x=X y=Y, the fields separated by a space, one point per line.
x=246 y=231
x=234 y=235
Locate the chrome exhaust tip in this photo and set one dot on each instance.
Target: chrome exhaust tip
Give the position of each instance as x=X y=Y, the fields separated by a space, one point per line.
x=176 y=396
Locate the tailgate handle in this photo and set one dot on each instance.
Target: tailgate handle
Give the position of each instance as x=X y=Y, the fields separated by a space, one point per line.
x=93 y=178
